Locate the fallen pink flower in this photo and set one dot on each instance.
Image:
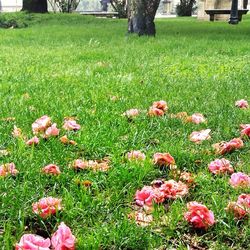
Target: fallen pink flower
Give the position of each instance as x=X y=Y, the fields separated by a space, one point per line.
x=220 y=166
x=17 y=132
x=131 y=113
x=227 y=147
x=199 y=216
x=160 y=105
x=41 y=124
x=8 y=169
x=63 y=239
x=245 y=130
x=163 y=159
x=52 y=131
x=241 y=208
x=71 y=124
x=197 y=118
x=144 y=196
x=240 y=180
x=92 y=165
x=33 y=141
x=155 y=112
x=136 y=155
x=51 y=169
x=173 y=189
x=47 y=206
x=243 y=104
x=33 y=242
x=199 y=136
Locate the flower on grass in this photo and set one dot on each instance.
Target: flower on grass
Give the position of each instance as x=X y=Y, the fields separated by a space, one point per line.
x=240 y=208
x=33 y=141
x=145 y=196
x=196 y=118
x=227 y=147
x=51 y=169
x=160 y=105
x=71 y=124
x=141 y=218
x=243 y=104
x=8 y=169
x=199 y=136
x=163 y=159
x=47 y=206
x=136 y=155
x=240 y=180
x=187 y=178
x=41 y=124
x=63 y=239
x=219 y=166
x=155 y=112
x=52 y=131
x=91 y=165
x=173 y=189
x=131 y=113
x=199 y=216
x=65 y=140
x=33 y=242
x=17 y=132
x=245 y=130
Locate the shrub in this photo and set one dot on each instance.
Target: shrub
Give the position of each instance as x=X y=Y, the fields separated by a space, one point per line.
x=185 y=7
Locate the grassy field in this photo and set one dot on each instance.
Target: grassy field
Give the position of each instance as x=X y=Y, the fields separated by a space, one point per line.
x=70 y=65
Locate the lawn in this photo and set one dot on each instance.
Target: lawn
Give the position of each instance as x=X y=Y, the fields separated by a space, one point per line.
x=70 y=65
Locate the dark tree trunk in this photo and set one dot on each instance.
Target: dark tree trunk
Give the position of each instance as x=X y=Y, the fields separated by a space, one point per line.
x=141 y=15
x=37 y=6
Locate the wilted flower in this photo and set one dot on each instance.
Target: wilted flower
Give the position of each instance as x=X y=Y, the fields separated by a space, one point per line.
x=63 y=239
x=173 y=189
x=47 y=206
x=33 y=141
x=131 y=113
x=51 y=169
x=41 y=124
x=187 y=178
x=243 y=104
x=144 y=196
x=245 y=130
x=141 y=218
x=199 y=216
x=52 y=131
x=199 y=136
x=17 y=132
x=4 y=152
x=240 y=180
x=71 y=124
x=220 y=166
x=196 y=118
x=155 y=112
x=227 y=147
x=160 y=105
x=163 y=159
x=136 y=155
x=33 y=242
x=65 y=140
x=8 y=169
x=92 y=165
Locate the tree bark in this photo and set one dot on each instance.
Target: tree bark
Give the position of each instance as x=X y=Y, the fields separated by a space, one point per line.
x=141 y=15
x=36 y=6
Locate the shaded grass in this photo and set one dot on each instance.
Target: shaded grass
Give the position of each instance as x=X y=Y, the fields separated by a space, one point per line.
x=71 y=65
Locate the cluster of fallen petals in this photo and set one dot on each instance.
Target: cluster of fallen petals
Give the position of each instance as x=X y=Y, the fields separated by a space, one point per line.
x=199 y=216
x=196 y=118
x=199 y=136
x=136 y=155
x=8 y=169
x=131 y=113
x=71 y=124
x=242 y=104
x=65 y=140
x=158 y=108
x=101 y=165
x=240 y=208
x=164 y=160
x=62 y=239
x=245 y=130
x=223 y=147
x=240 y=180
x=47 y=206
x=51 y=169
x=219 y=166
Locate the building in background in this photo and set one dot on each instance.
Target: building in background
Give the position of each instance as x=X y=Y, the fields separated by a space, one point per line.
x=11 y=5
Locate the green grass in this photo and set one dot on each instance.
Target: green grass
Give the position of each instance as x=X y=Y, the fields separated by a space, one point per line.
x=71 y=65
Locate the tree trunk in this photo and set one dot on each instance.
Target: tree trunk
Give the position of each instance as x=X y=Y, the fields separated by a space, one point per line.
x=141 y=15
x=37 y=6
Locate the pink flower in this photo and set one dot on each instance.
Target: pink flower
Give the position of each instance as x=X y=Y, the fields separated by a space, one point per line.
x=70 y=124
x=219 y=166
x=47 y=206
x=163 y=159
x=51 y=169
x=241 y=208
x=199 y=216
x=199 y=136
x=52 y=131
x=245 y=129
x=33 y=141
x=33 y=242
x=197 y=118
x=63 y=239
x=240 y=180
x=243 y=104
x=80 y=164
x=131 y=113
x=144 y=196
x=136 y=155
x=17 y=132
x=160 y=105
x=173 y=189
x=155 y=112
x=8 y=169
x=227 y=147
x=41 y=124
